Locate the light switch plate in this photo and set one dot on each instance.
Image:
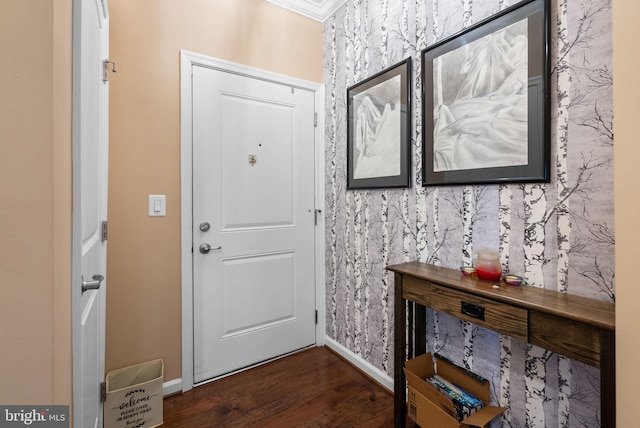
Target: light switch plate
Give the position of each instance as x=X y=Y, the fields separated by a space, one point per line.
x=157 y=205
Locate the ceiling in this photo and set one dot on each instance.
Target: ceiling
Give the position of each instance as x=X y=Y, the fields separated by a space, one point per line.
x=314 y=9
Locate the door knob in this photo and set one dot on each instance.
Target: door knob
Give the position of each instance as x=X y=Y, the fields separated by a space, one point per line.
x=205 y=248
x=205 y=226
x=92 y=285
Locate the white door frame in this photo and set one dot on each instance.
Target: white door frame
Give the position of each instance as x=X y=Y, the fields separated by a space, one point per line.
x=187 y=61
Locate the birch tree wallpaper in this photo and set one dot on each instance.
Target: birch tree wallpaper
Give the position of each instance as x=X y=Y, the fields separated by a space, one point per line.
x=559 y=235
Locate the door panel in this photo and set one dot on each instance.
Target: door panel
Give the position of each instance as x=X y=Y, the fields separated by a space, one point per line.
x=254 y=292
x=90 y=146
x=271 y=140
x=250 y=281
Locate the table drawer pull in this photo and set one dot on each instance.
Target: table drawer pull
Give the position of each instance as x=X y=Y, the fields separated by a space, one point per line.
x=471 y=310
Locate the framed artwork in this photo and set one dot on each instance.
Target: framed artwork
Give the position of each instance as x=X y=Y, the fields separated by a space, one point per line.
x=486 y=101
x=378 y=129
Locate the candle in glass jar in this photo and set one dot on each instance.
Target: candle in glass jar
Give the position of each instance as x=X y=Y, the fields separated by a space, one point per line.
x=488 y=265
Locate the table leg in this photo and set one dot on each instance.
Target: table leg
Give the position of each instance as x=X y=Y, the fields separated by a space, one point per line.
x=399 y=356
x=608 y=379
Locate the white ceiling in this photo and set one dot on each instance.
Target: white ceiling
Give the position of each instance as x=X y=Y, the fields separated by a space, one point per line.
x=314 y=9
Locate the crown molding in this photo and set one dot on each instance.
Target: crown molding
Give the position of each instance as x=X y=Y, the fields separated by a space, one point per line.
x=318 y=10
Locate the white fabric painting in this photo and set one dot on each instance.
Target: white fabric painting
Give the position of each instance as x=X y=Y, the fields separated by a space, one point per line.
x=377 y=133
x=480 y=103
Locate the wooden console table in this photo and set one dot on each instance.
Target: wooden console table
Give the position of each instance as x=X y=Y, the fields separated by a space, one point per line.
x=576 y=327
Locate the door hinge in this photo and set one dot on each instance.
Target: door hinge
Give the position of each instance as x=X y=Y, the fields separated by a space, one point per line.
x=317 y=214
x=103 y=391
x=104 y=231
x=105 y=69
x=316 y=316
x=315 y=119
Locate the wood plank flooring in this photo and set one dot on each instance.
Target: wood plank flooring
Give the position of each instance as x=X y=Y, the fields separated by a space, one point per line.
x=313 y=388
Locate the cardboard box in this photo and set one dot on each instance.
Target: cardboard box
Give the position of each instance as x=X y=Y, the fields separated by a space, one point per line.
x=430 y=408
x=134 y=396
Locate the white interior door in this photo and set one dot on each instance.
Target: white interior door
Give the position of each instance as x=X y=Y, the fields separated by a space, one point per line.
x=90 y=152
x=253 y=221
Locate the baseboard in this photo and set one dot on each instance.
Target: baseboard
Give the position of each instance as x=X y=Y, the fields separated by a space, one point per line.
x=172 y=387
x=367 y=368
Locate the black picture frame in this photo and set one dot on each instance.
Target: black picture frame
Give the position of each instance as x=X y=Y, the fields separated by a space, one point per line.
x=481 y=123
x=378 y=129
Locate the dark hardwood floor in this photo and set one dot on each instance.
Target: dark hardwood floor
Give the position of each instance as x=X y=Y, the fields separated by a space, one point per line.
x=313 y=388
